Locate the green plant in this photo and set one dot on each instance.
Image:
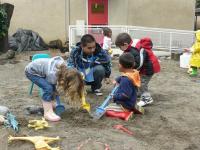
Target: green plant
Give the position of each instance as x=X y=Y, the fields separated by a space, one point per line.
x=3 y=22
x=197 y=3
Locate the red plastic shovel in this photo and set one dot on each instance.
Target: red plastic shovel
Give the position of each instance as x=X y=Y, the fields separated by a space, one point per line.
x=121 y=127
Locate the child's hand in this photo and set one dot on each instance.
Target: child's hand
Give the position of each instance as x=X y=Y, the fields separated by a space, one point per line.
x=115 y=82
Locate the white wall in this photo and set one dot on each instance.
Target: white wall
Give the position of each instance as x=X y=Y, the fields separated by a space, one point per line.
x=47 y=17
x=50 y=18
x=175 y=14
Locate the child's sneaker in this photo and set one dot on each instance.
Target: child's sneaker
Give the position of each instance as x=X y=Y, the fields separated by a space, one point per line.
x=98 y=92
x=145 y=101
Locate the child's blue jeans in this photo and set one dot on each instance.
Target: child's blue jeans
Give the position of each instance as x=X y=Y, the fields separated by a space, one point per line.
x=47 y=88
x=99 y=74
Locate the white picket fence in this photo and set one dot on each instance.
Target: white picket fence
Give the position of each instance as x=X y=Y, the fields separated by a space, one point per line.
x=163 y=39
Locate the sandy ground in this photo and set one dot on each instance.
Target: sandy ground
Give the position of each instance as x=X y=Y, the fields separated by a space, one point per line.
x=170 y=123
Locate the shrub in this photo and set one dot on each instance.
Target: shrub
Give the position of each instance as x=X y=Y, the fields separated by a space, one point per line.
x=3 y=22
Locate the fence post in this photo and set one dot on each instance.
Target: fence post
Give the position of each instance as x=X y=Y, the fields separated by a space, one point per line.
x=126 y=29
x=170 y=40
x=160 y=39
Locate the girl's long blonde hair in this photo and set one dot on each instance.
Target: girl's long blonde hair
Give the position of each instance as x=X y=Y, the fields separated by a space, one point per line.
x=70 y=82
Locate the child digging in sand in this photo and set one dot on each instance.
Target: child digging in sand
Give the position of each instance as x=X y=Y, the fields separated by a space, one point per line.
x=126 y=95
x=53 y=77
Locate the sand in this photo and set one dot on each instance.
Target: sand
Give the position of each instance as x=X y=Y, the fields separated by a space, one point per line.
x=171 y=122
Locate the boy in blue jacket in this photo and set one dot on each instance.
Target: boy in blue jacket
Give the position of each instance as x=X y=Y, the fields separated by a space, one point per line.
x=126 y=95
x=92 y=61
x=129 y=81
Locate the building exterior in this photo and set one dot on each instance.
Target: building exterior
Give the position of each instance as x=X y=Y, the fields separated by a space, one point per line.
x=51 y=18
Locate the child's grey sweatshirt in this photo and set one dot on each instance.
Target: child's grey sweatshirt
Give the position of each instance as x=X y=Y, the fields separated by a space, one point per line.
x=45 y=67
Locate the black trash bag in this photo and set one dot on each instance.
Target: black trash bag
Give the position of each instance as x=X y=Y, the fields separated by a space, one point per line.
x=27 y=40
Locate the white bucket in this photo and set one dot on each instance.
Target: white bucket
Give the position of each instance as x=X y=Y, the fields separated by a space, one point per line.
x=184 y=60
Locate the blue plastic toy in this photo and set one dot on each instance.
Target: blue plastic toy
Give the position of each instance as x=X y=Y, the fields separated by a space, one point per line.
x=11 y=121
x=100 y=111
x=60 y=108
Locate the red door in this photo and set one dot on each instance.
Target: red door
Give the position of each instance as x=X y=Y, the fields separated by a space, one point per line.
x=97 y=15
x=97 y=12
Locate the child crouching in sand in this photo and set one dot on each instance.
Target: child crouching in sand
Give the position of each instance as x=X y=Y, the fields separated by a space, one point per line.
x=125 y=96
x=52 y=76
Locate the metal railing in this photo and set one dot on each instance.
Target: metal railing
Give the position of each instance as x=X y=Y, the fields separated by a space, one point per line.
x=163 y=39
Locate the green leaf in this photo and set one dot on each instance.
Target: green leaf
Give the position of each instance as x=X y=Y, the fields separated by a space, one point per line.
x=197 y=3
x=3 y=22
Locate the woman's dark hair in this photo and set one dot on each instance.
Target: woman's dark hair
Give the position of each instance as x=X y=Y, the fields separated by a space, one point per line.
x=87 y=38
x=122 y=38
x=106 y=31
x=127 y=60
